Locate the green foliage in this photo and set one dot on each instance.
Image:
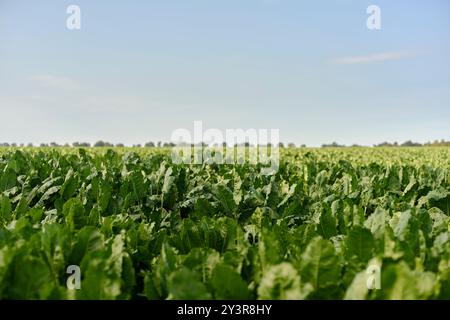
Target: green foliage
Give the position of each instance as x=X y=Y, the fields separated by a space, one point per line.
x=140 y=226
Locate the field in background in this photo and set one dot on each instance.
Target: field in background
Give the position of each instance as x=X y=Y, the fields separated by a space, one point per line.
x=353 y=223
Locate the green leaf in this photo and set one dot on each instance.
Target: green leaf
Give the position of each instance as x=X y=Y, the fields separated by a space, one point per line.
x=29 y=277
x=365 y=282
x=399 y=282
x=74 y=214
x=105 y=191
x=70 y=186
x=282 y=282
x=203 y=261
x=326 y=223
x=8 y=179
x=226 y=198
x=48 y=194
x=228 y=284
x=87 y=240
x=358 y=288
x=156 y=283
x=269 y=248
x=5 y=209
x=320 y=264
x=168 y=193
x=359 y=243
x=186 y=285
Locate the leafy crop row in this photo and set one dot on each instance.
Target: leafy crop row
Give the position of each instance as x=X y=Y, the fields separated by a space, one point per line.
x=141 y=227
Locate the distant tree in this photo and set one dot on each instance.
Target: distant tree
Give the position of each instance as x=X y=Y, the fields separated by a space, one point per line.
x=333 y=145
x=103 y=144
x=159 y=144
x=54 y=144
x=438 y=143
x=99 y=144
x=171 y=144
x=30 y=145
x=81 y=144
x=43 y=145
x=281 y=145
x=137 y=145
x=120 y=145
x=409 y=143
x=149 y=144
x=303 y=146
x=383 y=144
x=291 y=145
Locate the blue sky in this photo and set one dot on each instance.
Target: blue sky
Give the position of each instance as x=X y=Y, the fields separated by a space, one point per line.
x=138 y=70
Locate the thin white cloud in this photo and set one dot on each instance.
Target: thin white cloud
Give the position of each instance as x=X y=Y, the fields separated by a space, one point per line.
x=377 y=57
x=55 y=82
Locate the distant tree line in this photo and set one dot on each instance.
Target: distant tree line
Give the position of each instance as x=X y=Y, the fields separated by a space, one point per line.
x=159 y=144
x=409 y=143
x=97 y=144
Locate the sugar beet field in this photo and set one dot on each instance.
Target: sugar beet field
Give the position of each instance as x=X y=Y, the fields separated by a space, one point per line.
x=343 y=223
